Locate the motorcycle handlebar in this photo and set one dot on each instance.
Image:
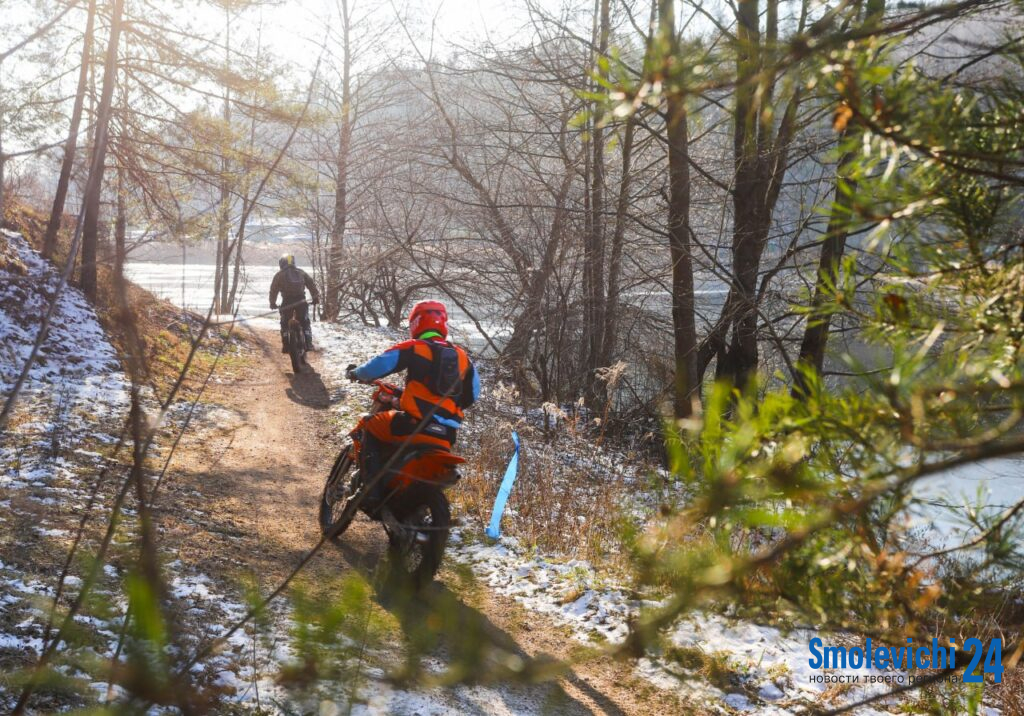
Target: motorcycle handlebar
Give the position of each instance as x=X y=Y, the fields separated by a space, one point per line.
x=387 y=387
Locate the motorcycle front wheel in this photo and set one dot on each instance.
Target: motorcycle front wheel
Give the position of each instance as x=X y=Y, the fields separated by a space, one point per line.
x=336 y=503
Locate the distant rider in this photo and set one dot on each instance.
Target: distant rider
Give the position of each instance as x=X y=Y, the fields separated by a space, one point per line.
x=291 y=282
x=440 y=383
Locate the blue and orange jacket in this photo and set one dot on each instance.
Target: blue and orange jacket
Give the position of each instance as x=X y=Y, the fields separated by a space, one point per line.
x=439 y=373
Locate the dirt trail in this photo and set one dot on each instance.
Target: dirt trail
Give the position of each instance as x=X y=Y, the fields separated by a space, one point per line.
x=257 y=477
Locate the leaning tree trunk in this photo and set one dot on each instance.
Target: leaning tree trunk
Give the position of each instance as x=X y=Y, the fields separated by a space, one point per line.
x=90 y=225
x=71 y=144
x=815 y=339
x=813 y=344
x=516 y=351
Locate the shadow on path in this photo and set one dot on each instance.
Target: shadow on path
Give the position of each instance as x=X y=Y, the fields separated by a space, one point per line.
x=437 y=623
x=308 y=389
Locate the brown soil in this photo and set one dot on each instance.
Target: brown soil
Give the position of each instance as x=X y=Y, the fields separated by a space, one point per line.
x=257 y=478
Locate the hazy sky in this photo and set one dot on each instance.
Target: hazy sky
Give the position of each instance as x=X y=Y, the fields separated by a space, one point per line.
x=299 y=24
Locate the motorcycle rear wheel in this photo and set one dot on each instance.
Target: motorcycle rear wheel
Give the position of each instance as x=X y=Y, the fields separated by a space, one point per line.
x=424 y=510
x=296 y=350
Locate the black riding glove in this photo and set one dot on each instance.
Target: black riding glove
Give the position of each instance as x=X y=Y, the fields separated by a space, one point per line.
x=350 y=372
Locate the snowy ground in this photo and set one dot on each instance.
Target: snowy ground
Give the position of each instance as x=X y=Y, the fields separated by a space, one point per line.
x=773 y=676
x=77 y=370
x=69 y=409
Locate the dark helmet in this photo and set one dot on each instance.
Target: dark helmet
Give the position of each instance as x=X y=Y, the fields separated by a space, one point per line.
x=285 y=261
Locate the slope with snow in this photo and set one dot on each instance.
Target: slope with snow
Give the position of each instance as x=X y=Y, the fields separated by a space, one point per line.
x=76 y=364
x=57 y=467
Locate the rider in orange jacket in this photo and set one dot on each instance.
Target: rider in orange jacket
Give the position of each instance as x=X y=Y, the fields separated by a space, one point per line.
x=441 y=382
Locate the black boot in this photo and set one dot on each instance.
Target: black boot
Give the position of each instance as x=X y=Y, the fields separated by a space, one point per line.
x=284 y=343
x=309 y=342
x=372 y=462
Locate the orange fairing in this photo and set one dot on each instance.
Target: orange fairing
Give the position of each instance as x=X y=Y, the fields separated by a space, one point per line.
x=434 y=466
x=386 y=393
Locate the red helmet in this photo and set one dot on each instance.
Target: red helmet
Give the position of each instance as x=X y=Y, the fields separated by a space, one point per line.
x=428 y=316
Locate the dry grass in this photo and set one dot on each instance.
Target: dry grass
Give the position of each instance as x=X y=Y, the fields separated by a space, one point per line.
x=570 y=497
x=714 y=667
x=166 y=334
x=1009 y=696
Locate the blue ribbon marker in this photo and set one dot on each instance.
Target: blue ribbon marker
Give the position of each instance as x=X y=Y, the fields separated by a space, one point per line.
x=494 y=529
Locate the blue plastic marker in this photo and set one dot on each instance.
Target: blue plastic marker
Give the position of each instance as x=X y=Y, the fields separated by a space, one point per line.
x=494 y=529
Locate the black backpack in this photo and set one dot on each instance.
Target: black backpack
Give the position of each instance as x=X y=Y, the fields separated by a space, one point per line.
x=446 y=378
x=295 y=279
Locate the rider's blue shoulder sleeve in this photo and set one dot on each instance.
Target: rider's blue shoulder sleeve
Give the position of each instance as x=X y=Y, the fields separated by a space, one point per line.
x=471 y=388
x=384 y=364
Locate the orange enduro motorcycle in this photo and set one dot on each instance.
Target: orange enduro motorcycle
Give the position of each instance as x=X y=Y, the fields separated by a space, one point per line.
x=413 y=510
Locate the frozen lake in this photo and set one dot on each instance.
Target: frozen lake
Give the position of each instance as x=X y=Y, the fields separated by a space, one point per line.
x=191 y=286
x=997 y=484
x=1000 y=482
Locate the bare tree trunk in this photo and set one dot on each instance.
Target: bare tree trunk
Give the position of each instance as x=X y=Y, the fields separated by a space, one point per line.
x=247 y=202
x=316 y=257
x=761 y=154
x=588 y=208
x=90 y=225
x=684 y=327
x=618 y=237
x=251 y=196
x=741 y=357
x=3 y=157
x=517 y=348
x=3 y=170
x=71 y=145
x=686 y=399
x=120 y=229
x=236 y=272
x=223 y=218
x=332 y=306
x=223 y=260
x=815 y=339
x=594 y=250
